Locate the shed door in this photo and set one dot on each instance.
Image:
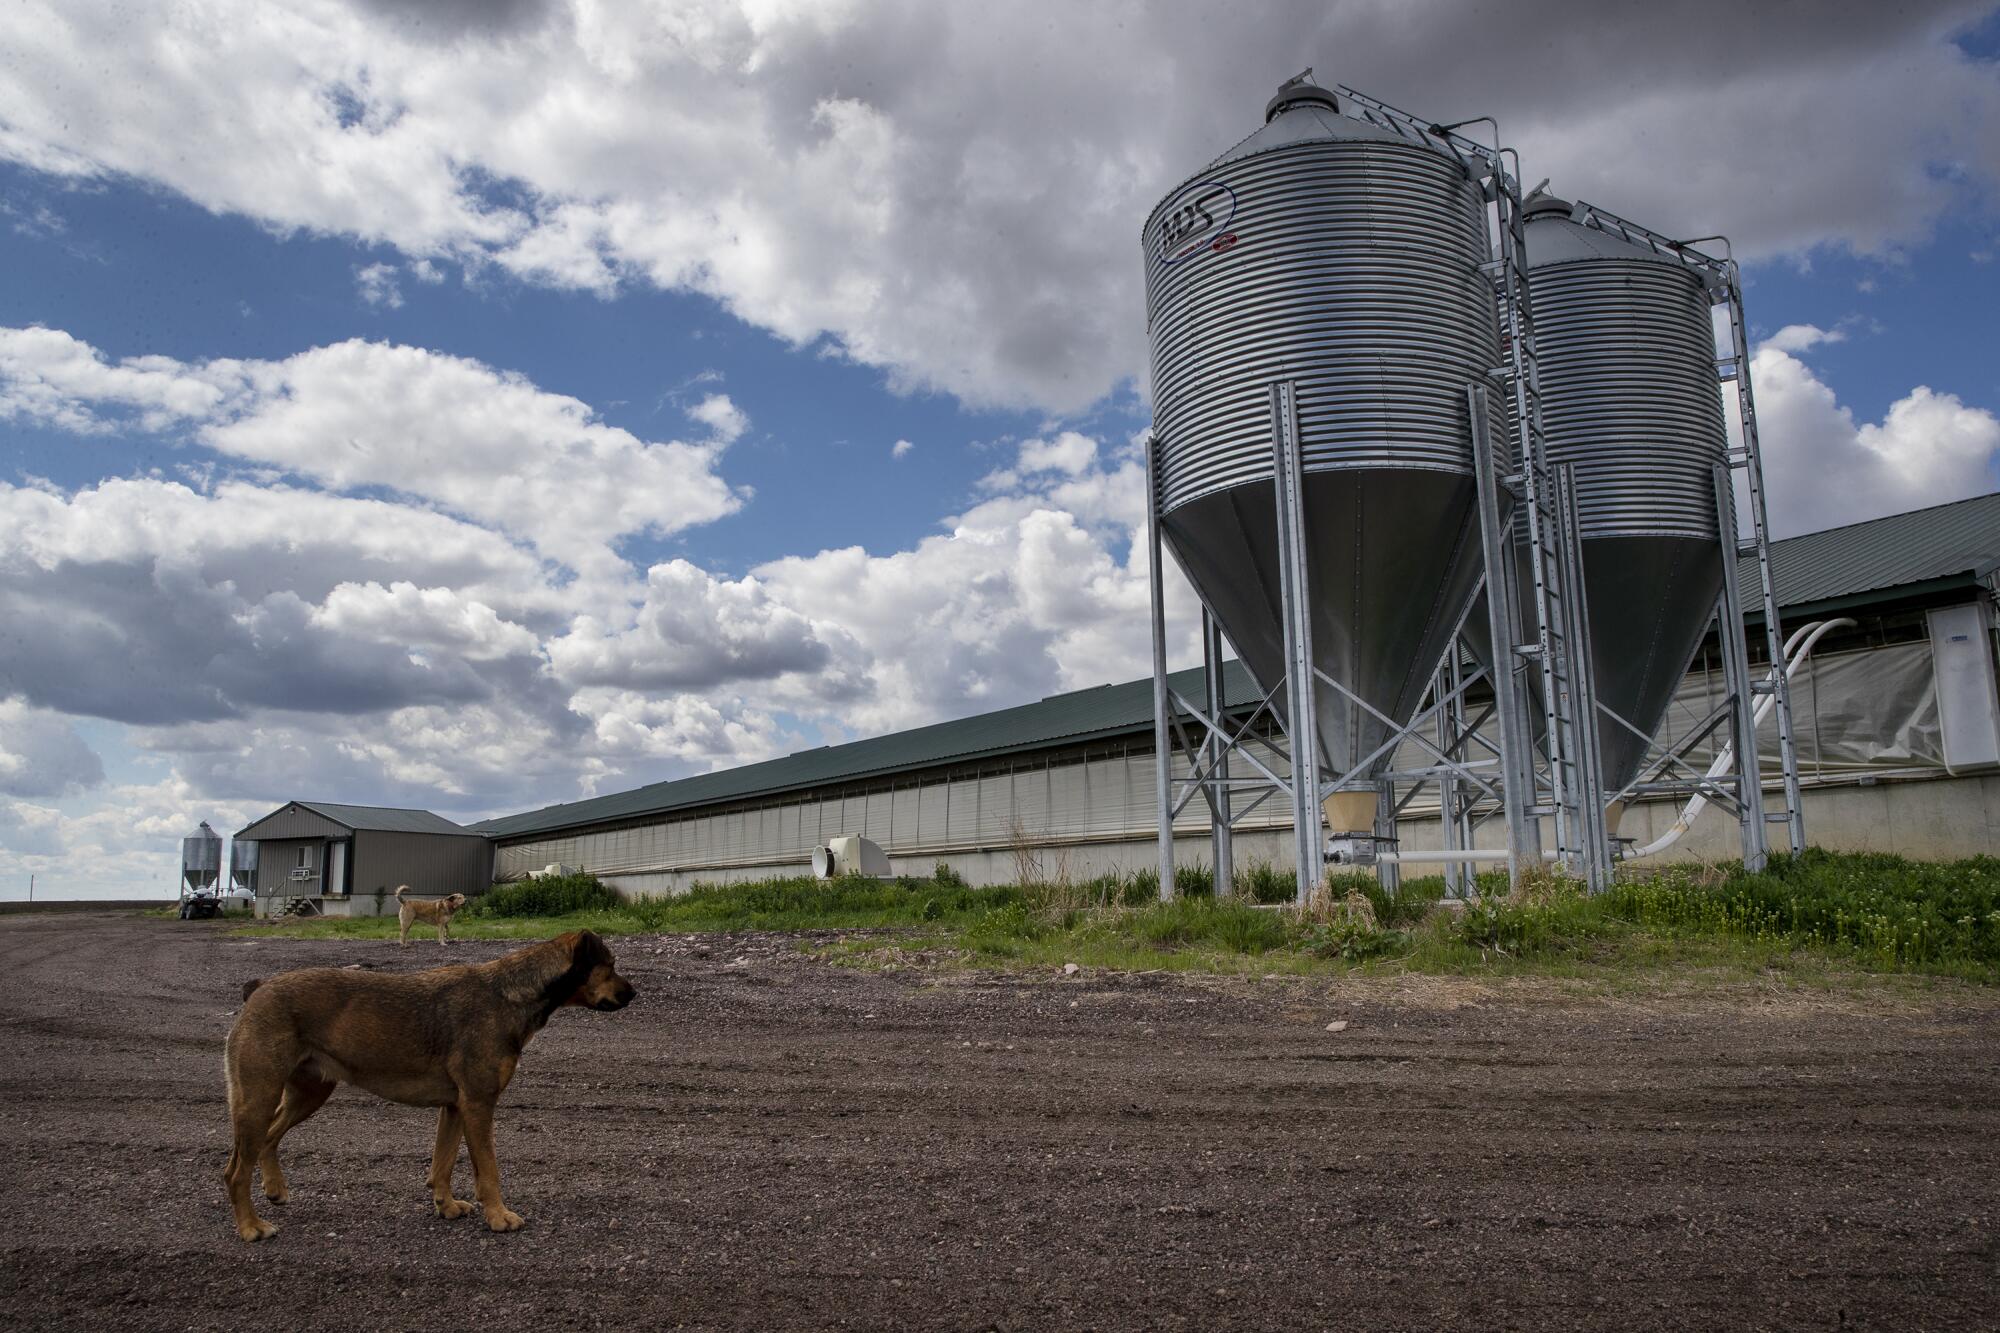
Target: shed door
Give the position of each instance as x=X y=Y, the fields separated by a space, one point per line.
x=336 y=867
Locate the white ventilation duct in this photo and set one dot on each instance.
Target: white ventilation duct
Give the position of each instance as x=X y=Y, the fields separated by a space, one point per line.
x=850 y=855
x=1797 y=649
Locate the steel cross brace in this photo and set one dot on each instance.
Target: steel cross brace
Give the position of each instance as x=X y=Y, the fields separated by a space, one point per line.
x=1229 y=743
x=1400 y=733
x=1660 y=759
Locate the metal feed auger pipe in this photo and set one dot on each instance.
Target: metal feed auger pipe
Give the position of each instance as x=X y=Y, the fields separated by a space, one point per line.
x=1797 y=649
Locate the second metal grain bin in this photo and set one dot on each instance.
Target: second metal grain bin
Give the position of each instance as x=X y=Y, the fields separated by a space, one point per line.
x=1343 y=256
x=1630 y=398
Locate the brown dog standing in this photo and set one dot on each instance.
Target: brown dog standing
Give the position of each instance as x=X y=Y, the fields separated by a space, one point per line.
x=409 y=911
x=448 y=1038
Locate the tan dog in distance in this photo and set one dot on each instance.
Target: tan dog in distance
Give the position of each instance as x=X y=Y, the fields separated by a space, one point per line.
x=409 y=911
x=448 y=1038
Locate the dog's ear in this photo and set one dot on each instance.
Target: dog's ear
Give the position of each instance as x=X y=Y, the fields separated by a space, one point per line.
x=251 y=985
x=589 y=951
x=586 y=954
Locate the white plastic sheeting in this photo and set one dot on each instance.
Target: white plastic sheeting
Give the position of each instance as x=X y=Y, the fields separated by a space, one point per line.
x=1854 y=711
x=1872 y=708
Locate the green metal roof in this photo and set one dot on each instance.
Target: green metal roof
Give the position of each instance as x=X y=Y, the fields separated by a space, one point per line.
x=1943 y=546
x=1099 y=712
x=384 y=819
x=1947 y=544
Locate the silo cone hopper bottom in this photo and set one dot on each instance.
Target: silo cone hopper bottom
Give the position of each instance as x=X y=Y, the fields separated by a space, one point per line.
x=1392 y=558
x=1650 y=601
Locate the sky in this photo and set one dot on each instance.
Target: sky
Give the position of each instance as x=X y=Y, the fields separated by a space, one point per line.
x=477 y=404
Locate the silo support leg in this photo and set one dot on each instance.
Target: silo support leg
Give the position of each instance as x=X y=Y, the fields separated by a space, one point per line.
x=1163 y=754
x=1223 y=852
x=1510 y=701
x=1300 y=686
x=1387 y=873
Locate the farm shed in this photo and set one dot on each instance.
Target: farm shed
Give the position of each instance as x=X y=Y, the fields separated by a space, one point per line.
x=347 y=860
x=1889 y=761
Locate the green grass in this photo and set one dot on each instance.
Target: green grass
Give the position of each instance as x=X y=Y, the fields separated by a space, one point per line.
x=1883 y=910
x=542 y=907
x=547 y=895
x=1814 y=915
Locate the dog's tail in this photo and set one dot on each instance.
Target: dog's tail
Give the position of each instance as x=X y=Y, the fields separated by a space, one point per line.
x=250 y=986
x=402 y=889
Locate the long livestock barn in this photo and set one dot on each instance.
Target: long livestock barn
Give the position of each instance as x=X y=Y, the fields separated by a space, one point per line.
x=1889 y=761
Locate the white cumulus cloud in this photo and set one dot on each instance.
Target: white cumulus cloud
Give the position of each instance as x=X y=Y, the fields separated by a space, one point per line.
x=378 y=287
x=41 y=753
x=953 y=192
x=1795 y=338
x=483 y=443
x=1824 y=468
x=726 y=421
x=691 y=631
x=125 y=846
x=1033 y=591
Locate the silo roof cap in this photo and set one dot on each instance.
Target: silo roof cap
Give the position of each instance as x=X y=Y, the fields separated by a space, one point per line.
x=1553 y=238
x=1299 y=93
x=1301 y=114
x=1304 y=113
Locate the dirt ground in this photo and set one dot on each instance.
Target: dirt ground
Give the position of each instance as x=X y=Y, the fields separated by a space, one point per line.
x=767 y=1141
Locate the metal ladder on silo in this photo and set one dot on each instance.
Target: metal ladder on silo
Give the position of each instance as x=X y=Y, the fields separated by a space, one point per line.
x=1570 y=793
x=1569 y=790
x=1749 y=460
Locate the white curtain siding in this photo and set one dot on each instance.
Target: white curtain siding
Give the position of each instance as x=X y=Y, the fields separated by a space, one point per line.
x=904 y=804
x=1869 y=708
x=933 y=811
x=1853 y=711
x=877 y=824
x=1069 y=800
x=1105 y=795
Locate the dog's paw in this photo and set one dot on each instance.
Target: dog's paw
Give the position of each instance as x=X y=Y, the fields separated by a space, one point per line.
x=278 y=1196
x=257 y=1229
x=450 y=1209
x=503 y=1219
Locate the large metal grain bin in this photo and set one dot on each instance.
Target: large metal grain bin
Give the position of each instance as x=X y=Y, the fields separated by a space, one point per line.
x=1345 y=257
x=201 y=858
x=243 y=858
x=1630 y=398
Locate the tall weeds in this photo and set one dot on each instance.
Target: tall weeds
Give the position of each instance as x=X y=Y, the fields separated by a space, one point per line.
x=1884 y=911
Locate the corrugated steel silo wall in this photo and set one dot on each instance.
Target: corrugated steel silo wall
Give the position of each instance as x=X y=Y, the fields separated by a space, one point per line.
x=1350 y=267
